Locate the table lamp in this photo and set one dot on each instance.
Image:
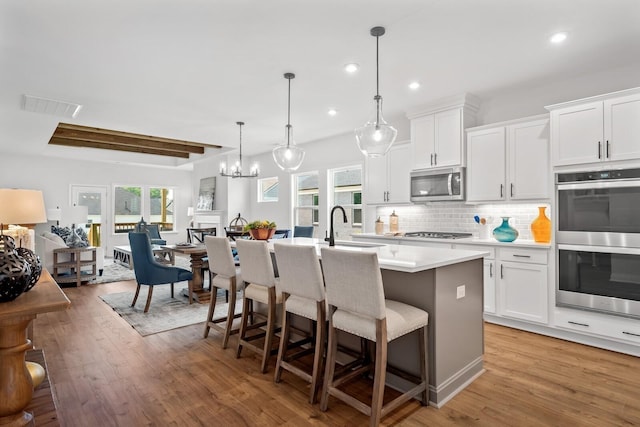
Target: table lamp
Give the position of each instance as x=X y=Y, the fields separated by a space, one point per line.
x=20 y=268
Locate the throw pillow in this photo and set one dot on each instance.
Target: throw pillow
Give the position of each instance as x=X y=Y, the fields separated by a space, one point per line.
x=63 y=232
x=54 y=238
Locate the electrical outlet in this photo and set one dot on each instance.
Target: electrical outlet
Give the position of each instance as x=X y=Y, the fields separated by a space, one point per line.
x=460 y=291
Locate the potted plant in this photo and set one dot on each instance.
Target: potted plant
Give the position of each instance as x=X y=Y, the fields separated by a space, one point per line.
x=261 y=229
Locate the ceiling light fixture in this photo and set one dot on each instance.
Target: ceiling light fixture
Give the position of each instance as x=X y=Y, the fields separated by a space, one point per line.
x=288 y=156
x=332 y=112
x=351 y=68
x=236 y=169
x=558 y=38
x=376 y=136
x=414 y=85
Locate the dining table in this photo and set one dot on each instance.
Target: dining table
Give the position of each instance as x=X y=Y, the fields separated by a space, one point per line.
x=197 y=253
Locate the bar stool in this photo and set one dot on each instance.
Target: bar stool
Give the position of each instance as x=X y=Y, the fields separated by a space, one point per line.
x=355 y=295
x=223 y=274
x=302 y=287
x=261 y=286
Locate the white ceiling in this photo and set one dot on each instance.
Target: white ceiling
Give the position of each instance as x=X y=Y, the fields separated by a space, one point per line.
x=189 y=69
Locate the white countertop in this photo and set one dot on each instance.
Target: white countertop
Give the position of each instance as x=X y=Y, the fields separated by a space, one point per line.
x=405 y=258
x=466 y=241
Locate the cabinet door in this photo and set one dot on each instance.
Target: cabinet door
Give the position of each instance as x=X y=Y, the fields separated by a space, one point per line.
x=422 y=139
x=577 y=134
x=528 y=148
x=486 y=165
x=523 y=291
x=398 y=168
x=490 y=286
x=622 y=128
x=376 y=180
x=448 y=138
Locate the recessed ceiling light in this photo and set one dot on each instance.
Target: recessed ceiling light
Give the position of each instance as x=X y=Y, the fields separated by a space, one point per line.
x=558 y=38
x=332 y=112
x=414 y=85
x=351 y=68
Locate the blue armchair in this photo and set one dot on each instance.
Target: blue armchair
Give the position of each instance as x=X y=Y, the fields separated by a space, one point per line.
x=303 y=231
x=153 y=230
x=150 y=272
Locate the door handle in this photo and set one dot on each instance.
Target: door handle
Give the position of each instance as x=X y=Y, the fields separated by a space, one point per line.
x=521 y=256
x=631 y=333
x=512 y=189
x=431 y=163
x=435 y=159
x=501 y=190
x=599 y=149
x=571 y=322
x=607 y=149
x=491 y=270
x=501 y=271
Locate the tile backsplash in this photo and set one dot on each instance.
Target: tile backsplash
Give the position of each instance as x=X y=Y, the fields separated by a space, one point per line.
x=458 y=217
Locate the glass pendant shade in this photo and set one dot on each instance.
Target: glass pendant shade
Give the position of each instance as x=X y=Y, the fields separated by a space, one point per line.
x=288 y=156
x=376 y=136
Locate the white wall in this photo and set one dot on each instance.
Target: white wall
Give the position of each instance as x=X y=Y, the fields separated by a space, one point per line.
x=55 y=177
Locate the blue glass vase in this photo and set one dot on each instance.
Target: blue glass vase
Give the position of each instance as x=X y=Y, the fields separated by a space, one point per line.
x=504 y=232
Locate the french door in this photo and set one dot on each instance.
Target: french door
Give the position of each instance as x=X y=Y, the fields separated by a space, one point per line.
x=95 y=199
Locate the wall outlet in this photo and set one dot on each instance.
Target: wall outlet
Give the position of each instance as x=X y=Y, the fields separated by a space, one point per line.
x=460 y=291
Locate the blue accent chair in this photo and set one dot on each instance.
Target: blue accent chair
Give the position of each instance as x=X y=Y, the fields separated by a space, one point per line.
x=303 y=231
x=150 y=272
x=153 y=230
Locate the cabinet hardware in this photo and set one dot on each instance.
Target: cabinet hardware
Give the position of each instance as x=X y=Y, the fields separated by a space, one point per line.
x=521 y=256
x=501 y=271
x=577 y=323
x=512 y=189
x=599 y=149
x=631 y=333
x=431 y=159
x=388 y=197
x=491 y=270
x=501 y=190
x=607 y=149
x=435 y=159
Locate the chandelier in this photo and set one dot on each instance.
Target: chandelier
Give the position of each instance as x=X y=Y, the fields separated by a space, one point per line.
x=236 y=169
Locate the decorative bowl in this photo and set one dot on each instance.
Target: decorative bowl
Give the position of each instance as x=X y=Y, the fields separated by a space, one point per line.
x=262 y=233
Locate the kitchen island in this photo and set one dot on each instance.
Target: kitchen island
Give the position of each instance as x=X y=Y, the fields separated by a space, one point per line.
x=446 y=283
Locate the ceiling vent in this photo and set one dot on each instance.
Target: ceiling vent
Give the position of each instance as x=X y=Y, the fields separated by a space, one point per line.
x=52 y=107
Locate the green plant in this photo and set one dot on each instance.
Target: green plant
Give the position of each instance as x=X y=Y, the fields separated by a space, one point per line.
x=259 y=224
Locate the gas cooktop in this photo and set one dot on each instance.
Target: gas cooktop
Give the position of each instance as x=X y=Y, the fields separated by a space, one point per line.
x=438 y=234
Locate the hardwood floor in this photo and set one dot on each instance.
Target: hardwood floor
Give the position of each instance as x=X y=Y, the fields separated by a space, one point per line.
x=104 y=373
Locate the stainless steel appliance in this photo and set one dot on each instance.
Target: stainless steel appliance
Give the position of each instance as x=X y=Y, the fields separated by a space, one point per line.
x=598 y=237
x=438 y=235
x=437 y=185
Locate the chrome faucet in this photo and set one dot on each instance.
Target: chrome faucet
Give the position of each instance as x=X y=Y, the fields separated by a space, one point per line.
x=331 y=239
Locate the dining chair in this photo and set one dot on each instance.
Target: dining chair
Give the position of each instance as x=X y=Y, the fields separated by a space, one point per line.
x=302 y=287
x=357 y=305
x=261 y=286
x=303 y=231
x=223 y=274
x=197 y=235
x=150 y=272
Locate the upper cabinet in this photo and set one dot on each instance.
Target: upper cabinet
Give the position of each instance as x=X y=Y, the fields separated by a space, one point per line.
x=437 y=132
x=599 y=129
x=387 y=178
x=509 y=161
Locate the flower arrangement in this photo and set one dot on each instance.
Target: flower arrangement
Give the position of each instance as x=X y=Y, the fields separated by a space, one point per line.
x=260 y=224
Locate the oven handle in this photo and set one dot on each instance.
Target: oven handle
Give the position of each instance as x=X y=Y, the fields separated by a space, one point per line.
x=598 y=184
x=604 y=249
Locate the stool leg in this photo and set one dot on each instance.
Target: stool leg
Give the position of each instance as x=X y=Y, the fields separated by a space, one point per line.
x=231 y=313
x=243 y=324
x=318 y=351
x=212 y=306
x=380 y=372
x=284 y=339
x=271 y=320
x=330 y=367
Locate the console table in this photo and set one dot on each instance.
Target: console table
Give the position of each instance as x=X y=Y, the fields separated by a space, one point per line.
x=16 y=387
x=75 y=268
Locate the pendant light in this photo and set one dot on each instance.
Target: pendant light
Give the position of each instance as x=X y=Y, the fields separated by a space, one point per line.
x=236 y=169
x=376 y=136
x=288 y=156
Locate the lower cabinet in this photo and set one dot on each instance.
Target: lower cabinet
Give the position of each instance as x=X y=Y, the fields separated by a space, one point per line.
x=490 y=286
x=523 y=291
x=611 y=327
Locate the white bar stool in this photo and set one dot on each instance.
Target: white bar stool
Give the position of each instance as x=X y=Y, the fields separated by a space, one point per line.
x=355 y=295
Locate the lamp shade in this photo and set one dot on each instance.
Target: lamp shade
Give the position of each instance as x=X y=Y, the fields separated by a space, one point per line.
x=75 y=214
x=54 y=214
x=19 y=206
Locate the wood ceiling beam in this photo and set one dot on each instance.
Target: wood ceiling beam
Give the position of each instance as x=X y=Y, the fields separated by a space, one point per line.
x=107 y=146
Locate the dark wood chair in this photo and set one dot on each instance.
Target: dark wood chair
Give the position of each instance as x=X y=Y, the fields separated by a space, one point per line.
x=196 y=235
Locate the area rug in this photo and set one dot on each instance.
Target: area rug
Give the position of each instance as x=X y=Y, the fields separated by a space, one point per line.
x=165 y=313
x=114 y=272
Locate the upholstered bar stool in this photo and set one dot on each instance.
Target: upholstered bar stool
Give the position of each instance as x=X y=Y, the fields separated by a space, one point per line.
x=260 y=286
x=223 y=274
x=355 y=296
x=302 y=287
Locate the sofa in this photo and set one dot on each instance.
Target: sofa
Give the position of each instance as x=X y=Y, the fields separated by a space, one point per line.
x=47 y=242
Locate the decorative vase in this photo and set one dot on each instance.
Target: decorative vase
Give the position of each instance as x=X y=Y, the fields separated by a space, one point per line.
x=262 y=233
x=34 y=263
x=504 y=232
x=14 y=270
x=541 y=227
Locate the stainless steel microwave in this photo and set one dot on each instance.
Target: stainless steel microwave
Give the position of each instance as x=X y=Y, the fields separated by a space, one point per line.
x=437 y=185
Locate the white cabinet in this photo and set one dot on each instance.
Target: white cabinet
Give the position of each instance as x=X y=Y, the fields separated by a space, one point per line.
x=437 y=132
x=509 y=161
x=489 y=294
x=387 y=178
x=523 y=284
x=612 y=327
x=604 y=128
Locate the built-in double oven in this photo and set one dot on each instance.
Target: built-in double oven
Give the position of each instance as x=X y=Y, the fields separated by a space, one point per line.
x=598 y=241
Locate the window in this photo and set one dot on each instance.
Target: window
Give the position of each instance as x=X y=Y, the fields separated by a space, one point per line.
x=345 y=185
x=306 y=200
x=268 y=189
x=154 y=204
